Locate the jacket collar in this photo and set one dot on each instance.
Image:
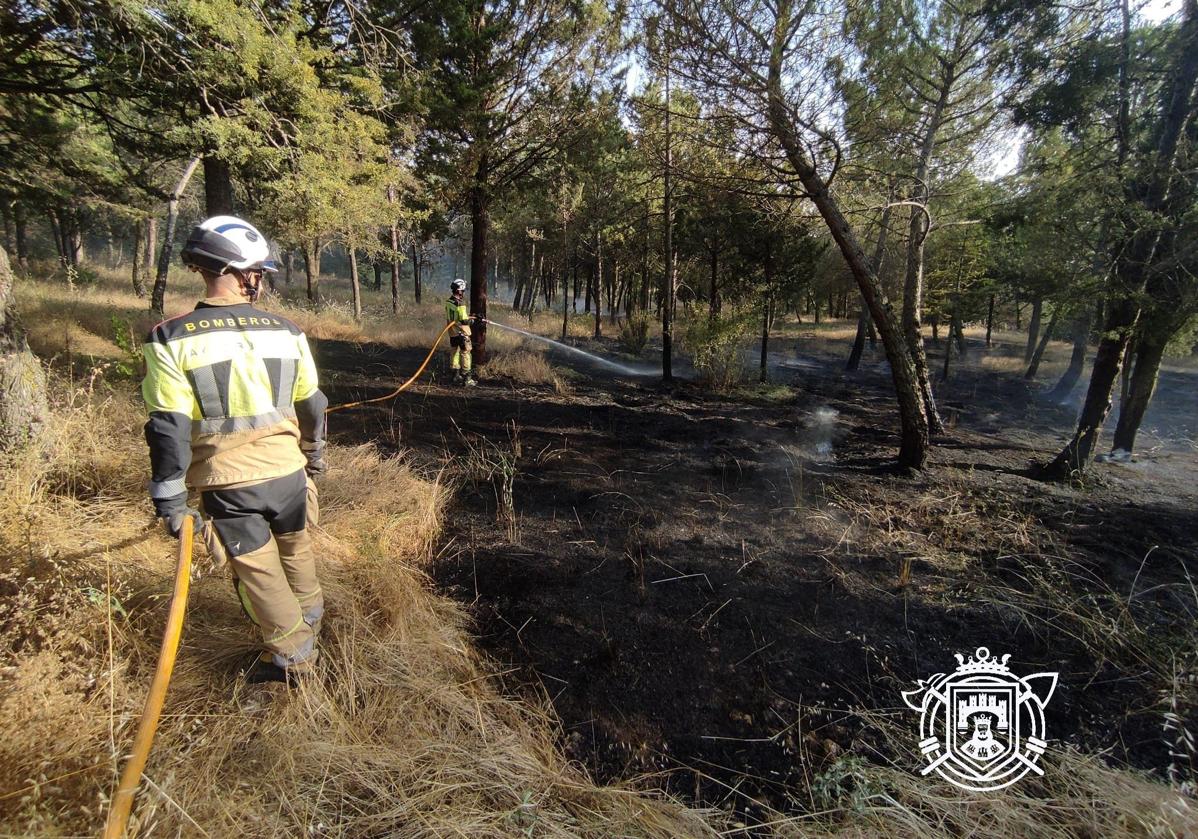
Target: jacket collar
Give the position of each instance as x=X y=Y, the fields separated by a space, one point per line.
x=224 y=300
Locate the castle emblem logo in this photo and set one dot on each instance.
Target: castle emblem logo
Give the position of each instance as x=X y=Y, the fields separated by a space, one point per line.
x=981 y=726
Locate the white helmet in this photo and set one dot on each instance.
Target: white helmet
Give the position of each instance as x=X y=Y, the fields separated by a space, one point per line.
x=457 y=285
x=223 y=242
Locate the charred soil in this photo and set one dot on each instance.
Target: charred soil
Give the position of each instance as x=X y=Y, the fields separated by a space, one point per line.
x=729 y=589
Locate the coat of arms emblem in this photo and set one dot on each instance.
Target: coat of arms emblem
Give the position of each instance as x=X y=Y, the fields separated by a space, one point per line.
x=982 y=726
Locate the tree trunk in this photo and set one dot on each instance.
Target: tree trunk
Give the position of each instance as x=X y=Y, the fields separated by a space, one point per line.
x=989 y=321
x=151 y=242
x=565 y=299
x=218 y=187
x=1077 y=360
x=6 y=211
x=75 y=239
x=913 y=286
x=312 y=270
x=667 y=287
x=713 y=296
x=479 y=219
x=948 y=353
x=415 y=277
x=139 y=282
x=1038 y=353
x=393 y=240
x=23 y=405
x=354 y=282
x=613 y=281
x=1150 y=351
x=863 y=318
x=377 y=265
x=598 y=285
x=914 y=445
x=1033 y=329
x=56 y=234
x=288 y=267
x=1129 y=356
x=19 y=222
x=912 y=328
x=158 y=295
x=767 y=306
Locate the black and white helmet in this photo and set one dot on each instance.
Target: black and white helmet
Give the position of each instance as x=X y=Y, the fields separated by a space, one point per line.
x=223 y=242
x=457 y=285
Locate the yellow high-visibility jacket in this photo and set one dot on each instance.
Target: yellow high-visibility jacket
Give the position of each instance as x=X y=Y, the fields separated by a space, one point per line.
x=457 y=314
x=232 y=396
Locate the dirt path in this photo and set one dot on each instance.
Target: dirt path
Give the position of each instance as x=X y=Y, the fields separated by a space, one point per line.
x=712 y=586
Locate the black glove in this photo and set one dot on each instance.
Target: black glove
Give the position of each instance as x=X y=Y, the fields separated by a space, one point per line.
x=172 y=512
x=477 y=321
x=315 y=453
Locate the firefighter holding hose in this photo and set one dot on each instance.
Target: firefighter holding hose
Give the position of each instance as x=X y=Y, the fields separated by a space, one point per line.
x=457 y=315
x=235 y=413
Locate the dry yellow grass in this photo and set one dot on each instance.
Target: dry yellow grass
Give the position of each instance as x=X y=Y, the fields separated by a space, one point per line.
x=405 y=736
x=527 y=367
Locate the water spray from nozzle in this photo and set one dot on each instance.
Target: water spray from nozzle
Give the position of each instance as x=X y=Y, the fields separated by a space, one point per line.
x=611 y=365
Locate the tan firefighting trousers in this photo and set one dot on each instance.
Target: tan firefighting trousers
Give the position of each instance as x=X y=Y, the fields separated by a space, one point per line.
x=275 y=578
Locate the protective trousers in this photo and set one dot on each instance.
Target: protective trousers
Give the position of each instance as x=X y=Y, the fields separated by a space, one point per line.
x=263 y=530
x=460 y=347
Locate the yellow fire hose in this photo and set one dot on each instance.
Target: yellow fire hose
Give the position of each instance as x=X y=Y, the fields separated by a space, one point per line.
x=122 y=801
x=402 y=387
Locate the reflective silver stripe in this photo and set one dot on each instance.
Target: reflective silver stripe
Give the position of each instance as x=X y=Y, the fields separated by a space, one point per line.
x=302 y=653
x=203 y=379
x=286 y=392
x=228 y=425
x=167 y=489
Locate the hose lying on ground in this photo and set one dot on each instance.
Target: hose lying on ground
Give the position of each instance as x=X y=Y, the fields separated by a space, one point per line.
x=402 y=387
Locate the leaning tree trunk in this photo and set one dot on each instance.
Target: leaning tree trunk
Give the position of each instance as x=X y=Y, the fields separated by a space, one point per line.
x=1150 y=349
x=1038 y=354
x=1077 y=359
x=23 y=407
x=913 y=450
x=863 y=319
x=1033 y=330
x=158 y=296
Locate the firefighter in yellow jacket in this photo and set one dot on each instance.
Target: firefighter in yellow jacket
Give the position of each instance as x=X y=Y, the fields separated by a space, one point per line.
x=235 y=413
x=459 y=334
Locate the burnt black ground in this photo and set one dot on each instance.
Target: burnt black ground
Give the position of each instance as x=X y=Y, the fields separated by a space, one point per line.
x=693 y=585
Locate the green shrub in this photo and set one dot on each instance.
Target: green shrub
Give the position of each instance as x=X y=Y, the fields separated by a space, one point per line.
x=716 y=348
x=634 y=335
